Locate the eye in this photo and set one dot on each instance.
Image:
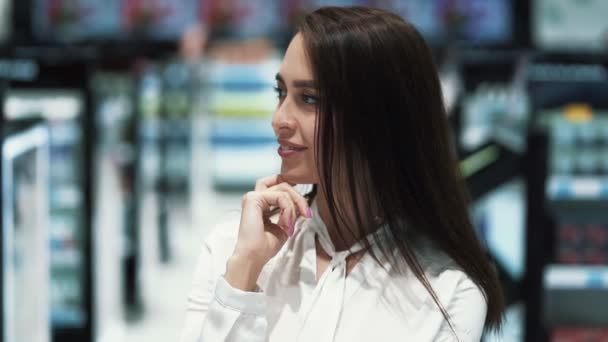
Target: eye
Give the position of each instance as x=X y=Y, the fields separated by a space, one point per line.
x=309 y=99
x=280 y=92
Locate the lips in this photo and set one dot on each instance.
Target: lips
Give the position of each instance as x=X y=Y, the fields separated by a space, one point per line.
x=291 y=146
x=287 y=148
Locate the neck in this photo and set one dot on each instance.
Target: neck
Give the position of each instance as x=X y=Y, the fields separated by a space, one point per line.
x=332 y=227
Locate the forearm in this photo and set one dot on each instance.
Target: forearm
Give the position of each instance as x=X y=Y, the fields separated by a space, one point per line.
x=242 y=273
x=235 y=315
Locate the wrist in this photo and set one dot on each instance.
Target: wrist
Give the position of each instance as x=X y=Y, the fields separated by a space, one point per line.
x=242 y=273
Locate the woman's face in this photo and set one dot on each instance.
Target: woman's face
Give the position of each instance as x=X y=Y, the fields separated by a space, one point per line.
x=294 y=120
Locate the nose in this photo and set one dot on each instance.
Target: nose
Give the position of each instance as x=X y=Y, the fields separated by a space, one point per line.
x=283 y=123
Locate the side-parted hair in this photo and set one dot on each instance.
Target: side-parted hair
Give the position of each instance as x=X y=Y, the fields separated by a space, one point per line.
x=382 y=129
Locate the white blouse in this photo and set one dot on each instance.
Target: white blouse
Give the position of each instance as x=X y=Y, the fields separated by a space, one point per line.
x=370 y=304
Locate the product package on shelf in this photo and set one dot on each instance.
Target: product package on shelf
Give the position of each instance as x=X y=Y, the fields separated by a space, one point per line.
x=580 y=243
x=579 y=334
x=66 y=217
x=493 y=111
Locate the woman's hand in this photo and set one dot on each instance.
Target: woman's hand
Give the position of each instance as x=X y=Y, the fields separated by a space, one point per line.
x=259 y=239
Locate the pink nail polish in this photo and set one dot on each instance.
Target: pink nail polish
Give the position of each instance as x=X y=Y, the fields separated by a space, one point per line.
x=309 y=212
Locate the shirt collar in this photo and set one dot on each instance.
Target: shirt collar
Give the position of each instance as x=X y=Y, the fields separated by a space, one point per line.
x=318 y=226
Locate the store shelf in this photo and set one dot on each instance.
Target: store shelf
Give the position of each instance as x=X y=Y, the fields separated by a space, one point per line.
x=573 y=295
x=593 y=188
x=560 y=277
x=577 y=198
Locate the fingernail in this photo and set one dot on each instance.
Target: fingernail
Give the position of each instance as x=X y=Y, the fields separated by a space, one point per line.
x=309 y=212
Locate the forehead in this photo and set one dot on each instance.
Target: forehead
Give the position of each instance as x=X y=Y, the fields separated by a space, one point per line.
x=295 y=64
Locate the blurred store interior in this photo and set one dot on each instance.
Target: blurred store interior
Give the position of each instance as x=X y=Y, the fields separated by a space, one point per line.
x=131 y=127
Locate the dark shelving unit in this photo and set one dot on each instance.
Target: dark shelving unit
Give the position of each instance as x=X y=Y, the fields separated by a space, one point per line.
x=553 y=299
x=57 y=70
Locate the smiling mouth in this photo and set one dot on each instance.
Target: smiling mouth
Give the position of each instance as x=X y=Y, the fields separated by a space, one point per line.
x=291 y=148
x=288 y=151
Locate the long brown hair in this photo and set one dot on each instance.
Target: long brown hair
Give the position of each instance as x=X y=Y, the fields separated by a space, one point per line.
x=382 y=124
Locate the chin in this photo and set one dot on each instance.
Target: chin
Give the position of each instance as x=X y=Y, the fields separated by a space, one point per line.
x=297 y=175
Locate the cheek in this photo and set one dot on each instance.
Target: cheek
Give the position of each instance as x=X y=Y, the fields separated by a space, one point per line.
x=308 y=128
x=309 y=136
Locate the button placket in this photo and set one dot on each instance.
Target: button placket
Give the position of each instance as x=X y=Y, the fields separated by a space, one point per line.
x=328 y=297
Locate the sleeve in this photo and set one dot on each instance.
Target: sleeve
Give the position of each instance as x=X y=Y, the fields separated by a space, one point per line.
x=217 y=312
x=467 y=312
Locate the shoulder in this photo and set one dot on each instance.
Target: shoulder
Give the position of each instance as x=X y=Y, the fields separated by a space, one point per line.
x=459 y=294
x=449 y=283
x=461 y=298
x=463 y=301
x=456 y=291
x=466 y=307
x=446 y=277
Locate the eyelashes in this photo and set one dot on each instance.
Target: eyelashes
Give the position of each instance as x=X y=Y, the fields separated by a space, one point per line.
x=305 y=98
x=280 y=92
x=309 y=99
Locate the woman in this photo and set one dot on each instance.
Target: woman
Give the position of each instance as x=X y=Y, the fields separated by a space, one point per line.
x=382 y=247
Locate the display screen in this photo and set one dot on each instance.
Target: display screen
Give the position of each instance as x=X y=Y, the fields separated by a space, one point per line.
x=62 y=20
x=76 y=20
x=469 y=21
x=159 y=19
x=570 y=24
x=312 y=4
x=243 y=18
x=499 y=218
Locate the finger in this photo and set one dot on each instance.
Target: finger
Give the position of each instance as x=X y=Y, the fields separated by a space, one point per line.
x=288 y=214
x=266 y=199
x=300 y=201
x=267 y=182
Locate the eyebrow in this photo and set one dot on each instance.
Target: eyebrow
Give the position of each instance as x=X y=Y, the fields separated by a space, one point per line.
x=297 y=83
